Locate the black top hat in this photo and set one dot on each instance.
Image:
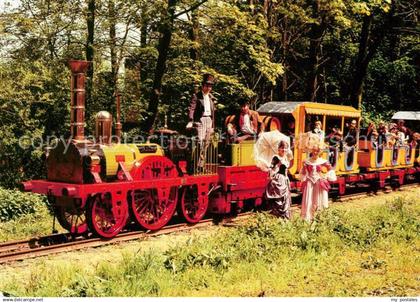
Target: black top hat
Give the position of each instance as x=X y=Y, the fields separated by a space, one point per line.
x=208 y=79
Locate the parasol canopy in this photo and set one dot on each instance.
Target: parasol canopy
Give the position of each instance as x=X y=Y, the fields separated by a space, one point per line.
x=267 y=146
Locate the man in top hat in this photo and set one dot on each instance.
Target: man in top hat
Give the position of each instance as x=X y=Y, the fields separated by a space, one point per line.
x=246 y=123
x=201 y=116
x=201 y=111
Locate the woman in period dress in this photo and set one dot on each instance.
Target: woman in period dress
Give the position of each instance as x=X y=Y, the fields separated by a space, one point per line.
x=277 y=192
x=314 y=175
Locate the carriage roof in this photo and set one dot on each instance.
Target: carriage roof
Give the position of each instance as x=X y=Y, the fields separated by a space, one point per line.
x=310 y=108
x=407 y=115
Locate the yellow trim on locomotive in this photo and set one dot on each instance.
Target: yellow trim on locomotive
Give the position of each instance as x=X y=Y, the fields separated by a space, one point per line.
x=130 y=154
x=243 y=153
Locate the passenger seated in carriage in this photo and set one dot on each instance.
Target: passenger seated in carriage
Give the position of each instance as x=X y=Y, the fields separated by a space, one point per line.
x=382 y=133
x=371 y=131
x=351 y=137
x=245 y=124
x=392 y=136
x=335 y=142
x=318 y=130
x=405 y=134
x=368 y=137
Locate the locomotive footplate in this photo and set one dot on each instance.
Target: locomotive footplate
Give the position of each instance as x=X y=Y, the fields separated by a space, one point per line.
x=82 y=191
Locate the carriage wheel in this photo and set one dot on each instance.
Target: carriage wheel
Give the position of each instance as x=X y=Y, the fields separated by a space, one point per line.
x=193 y=206
x=73 y=220
x=153 y=208
x=106 y=218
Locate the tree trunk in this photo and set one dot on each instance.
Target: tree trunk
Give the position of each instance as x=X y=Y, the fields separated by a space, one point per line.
x=395 y=53
x=315 y=35
x=251 y=4
x=369 y=43
x=90 y=53
x=163 y=48
x=285 y=49
x=143 y=42
x=113 y=44
x=361 y=63
x=194 y=33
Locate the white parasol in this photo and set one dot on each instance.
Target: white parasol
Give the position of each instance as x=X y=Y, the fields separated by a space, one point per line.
x=267 y=146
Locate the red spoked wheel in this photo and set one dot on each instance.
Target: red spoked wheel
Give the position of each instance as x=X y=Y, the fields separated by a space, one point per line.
x=193 y=204
x=106 y=218
x=71 y=216
x=153 y=208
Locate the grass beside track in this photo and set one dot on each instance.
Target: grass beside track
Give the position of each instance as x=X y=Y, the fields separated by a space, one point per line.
x=28 y=225
x=359 y=248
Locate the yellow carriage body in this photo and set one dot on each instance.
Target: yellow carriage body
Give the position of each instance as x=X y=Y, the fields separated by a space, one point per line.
x=391 y=158
x=348 y=161
x=301 y=114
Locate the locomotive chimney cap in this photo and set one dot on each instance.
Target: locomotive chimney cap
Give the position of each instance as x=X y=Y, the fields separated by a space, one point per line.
x=78 y=66
x=103 y=115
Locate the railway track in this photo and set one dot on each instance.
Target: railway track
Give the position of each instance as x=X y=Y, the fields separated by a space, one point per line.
x=58 y=243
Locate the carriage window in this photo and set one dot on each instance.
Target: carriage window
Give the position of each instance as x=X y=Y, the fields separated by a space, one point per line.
x=310 y=121
x=288 y=124
x=331 y=123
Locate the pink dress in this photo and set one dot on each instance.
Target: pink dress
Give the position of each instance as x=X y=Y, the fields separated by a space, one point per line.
x=315 y=186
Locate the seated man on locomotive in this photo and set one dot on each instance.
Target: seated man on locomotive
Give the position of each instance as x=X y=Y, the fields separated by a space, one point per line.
x=245 y=124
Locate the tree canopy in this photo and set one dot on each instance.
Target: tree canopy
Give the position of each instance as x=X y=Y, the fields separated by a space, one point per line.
x=363 y=53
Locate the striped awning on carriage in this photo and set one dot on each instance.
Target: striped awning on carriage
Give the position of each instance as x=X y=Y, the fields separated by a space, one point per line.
x=310 y=108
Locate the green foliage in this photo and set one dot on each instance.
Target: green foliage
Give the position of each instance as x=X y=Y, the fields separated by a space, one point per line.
x=317 y=258
x=258 y=52
x=14 y=204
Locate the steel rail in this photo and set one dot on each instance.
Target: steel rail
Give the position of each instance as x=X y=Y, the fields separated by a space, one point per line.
x=24 y=249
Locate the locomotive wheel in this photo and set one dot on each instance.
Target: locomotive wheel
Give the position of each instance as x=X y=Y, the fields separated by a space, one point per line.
x=192 y=206
x=105 y=220
x=153 y=208
x=69 y=214
x=73 y=220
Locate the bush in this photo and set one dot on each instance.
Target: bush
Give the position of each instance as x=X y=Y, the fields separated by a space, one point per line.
x=14 y=204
